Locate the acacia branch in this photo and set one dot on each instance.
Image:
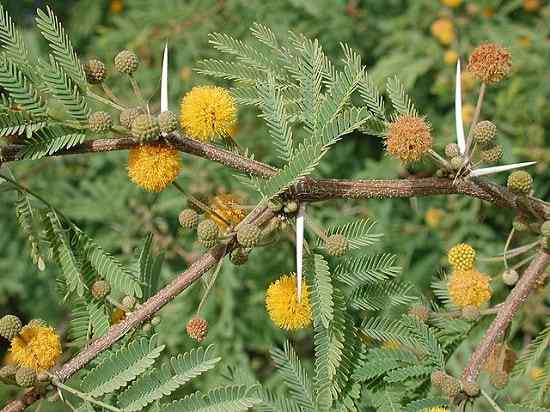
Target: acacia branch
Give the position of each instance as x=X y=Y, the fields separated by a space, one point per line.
x=509 y=308
x=313 y=189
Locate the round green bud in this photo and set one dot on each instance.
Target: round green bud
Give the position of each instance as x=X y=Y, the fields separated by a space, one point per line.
x=471 y=389
x=520 y=225
x=420 y=312
x=145 y=128
x=129 y=302
x=146 y=327
x=7 y=374
x=456 y=162
x=452 y=150
x=485 y=132
x=95 y=71
x=545 y=228
x=100 y=122
x=336 y=245
x=126 y=62
x=275 y=204
x=238 y=256
x=208 y=231
x=437 y=378
x=127 y=117
x=520 y=182
x=248 y=235
x=25 y=377
x=291 y=207
x=10 y=326
x=208 y=243
x=38 y=322
x=156 y=321
x=510 y=277
x=100 y=289
x=451 y=387
x=188 y=218
x=492 y=154
x=168 y=122
x=499 y=379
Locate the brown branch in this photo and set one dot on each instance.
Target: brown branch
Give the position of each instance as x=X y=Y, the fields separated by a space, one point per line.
x=311 y=189
x=509 y=308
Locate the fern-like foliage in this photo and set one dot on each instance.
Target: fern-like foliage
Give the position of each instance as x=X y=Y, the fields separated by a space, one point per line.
x=533 y=353
x=25 y=215
x=20 y=123
x=60 y=44
x=122 y=366
x=364 y=270
x=224 y=399
x=358 y=233
x=48 y=141
x=322 y=288
x=165 y=379
x=12 y=41
x=62 y=87
x=295 y=376
x=20 y=88
x=401 y=101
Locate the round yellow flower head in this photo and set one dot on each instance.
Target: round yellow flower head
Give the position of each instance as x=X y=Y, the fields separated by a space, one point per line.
x=443 y=30
x=153 y=167
x=226 y=206
x=462 y=256
x=433 y=217
x=282 y=304
x=208 y=112
x=469 y=287
x=490 y=63
x=452 y=3
x=36 y=347
x=408 y=138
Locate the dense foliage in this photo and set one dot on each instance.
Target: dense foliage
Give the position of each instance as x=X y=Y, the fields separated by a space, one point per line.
x=357 y=351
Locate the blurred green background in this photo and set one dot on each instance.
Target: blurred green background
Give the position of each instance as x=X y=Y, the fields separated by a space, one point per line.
x=393 y=37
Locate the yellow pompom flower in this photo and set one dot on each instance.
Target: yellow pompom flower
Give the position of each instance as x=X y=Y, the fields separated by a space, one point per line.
x=469 y=287
x=226 y=206
x=452 y=3
x=282 y=304
x=433 y=217
x=450 y=57
x=408 y=138
x=462 y=256
x=443 y=30
x=36 y=347
x=208 y=112
x=153 y=167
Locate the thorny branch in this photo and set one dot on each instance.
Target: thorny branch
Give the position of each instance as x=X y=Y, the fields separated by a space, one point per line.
x=311 y=190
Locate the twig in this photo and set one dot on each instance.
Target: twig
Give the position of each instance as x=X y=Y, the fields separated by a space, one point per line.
x=491 y=401
x=85 y=396
x=511 y=305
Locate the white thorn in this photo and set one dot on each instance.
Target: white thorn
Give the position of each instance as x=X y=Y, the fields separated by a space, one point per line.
x=299 y=248
x=460 y=139
x=164 y=82
x=497 y=169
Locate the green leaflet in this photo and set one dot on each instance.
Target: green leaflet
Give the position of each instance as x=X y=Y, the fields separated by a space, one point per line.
x=165 y=379
x=20 y=88
x=318 y=271
x=224 y=399
x=122 y=366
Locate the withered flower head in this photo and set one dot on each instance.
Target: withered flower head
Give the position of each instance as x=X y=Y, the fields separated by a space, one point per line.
x=490 y=63
x=408 y=138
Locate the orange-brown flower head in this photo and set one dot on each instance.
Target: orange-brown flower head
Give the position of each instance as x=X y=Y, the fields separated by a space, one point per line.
x=153 y=167
x=490 y=63
x=408 y=138
x=226 y=210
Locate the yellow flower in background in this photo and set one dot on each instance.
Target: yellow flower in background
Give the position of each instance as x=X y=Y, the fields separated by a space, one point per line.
x=438 y=409
x=525 y=41
x=36 y=347
x=536 y=373
x=450 y=57
x=462 y=256
x=282 y=304
x=391 y=344
x=469 y=287
x=153 y=167
x=116 y=6
x=531 y=6
x=468 y=113
x=468 y=81
x=208 y=112
x=443 y=30
x=452 y=3
x=408 y=138
x=226 y=206
x=433 y=217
